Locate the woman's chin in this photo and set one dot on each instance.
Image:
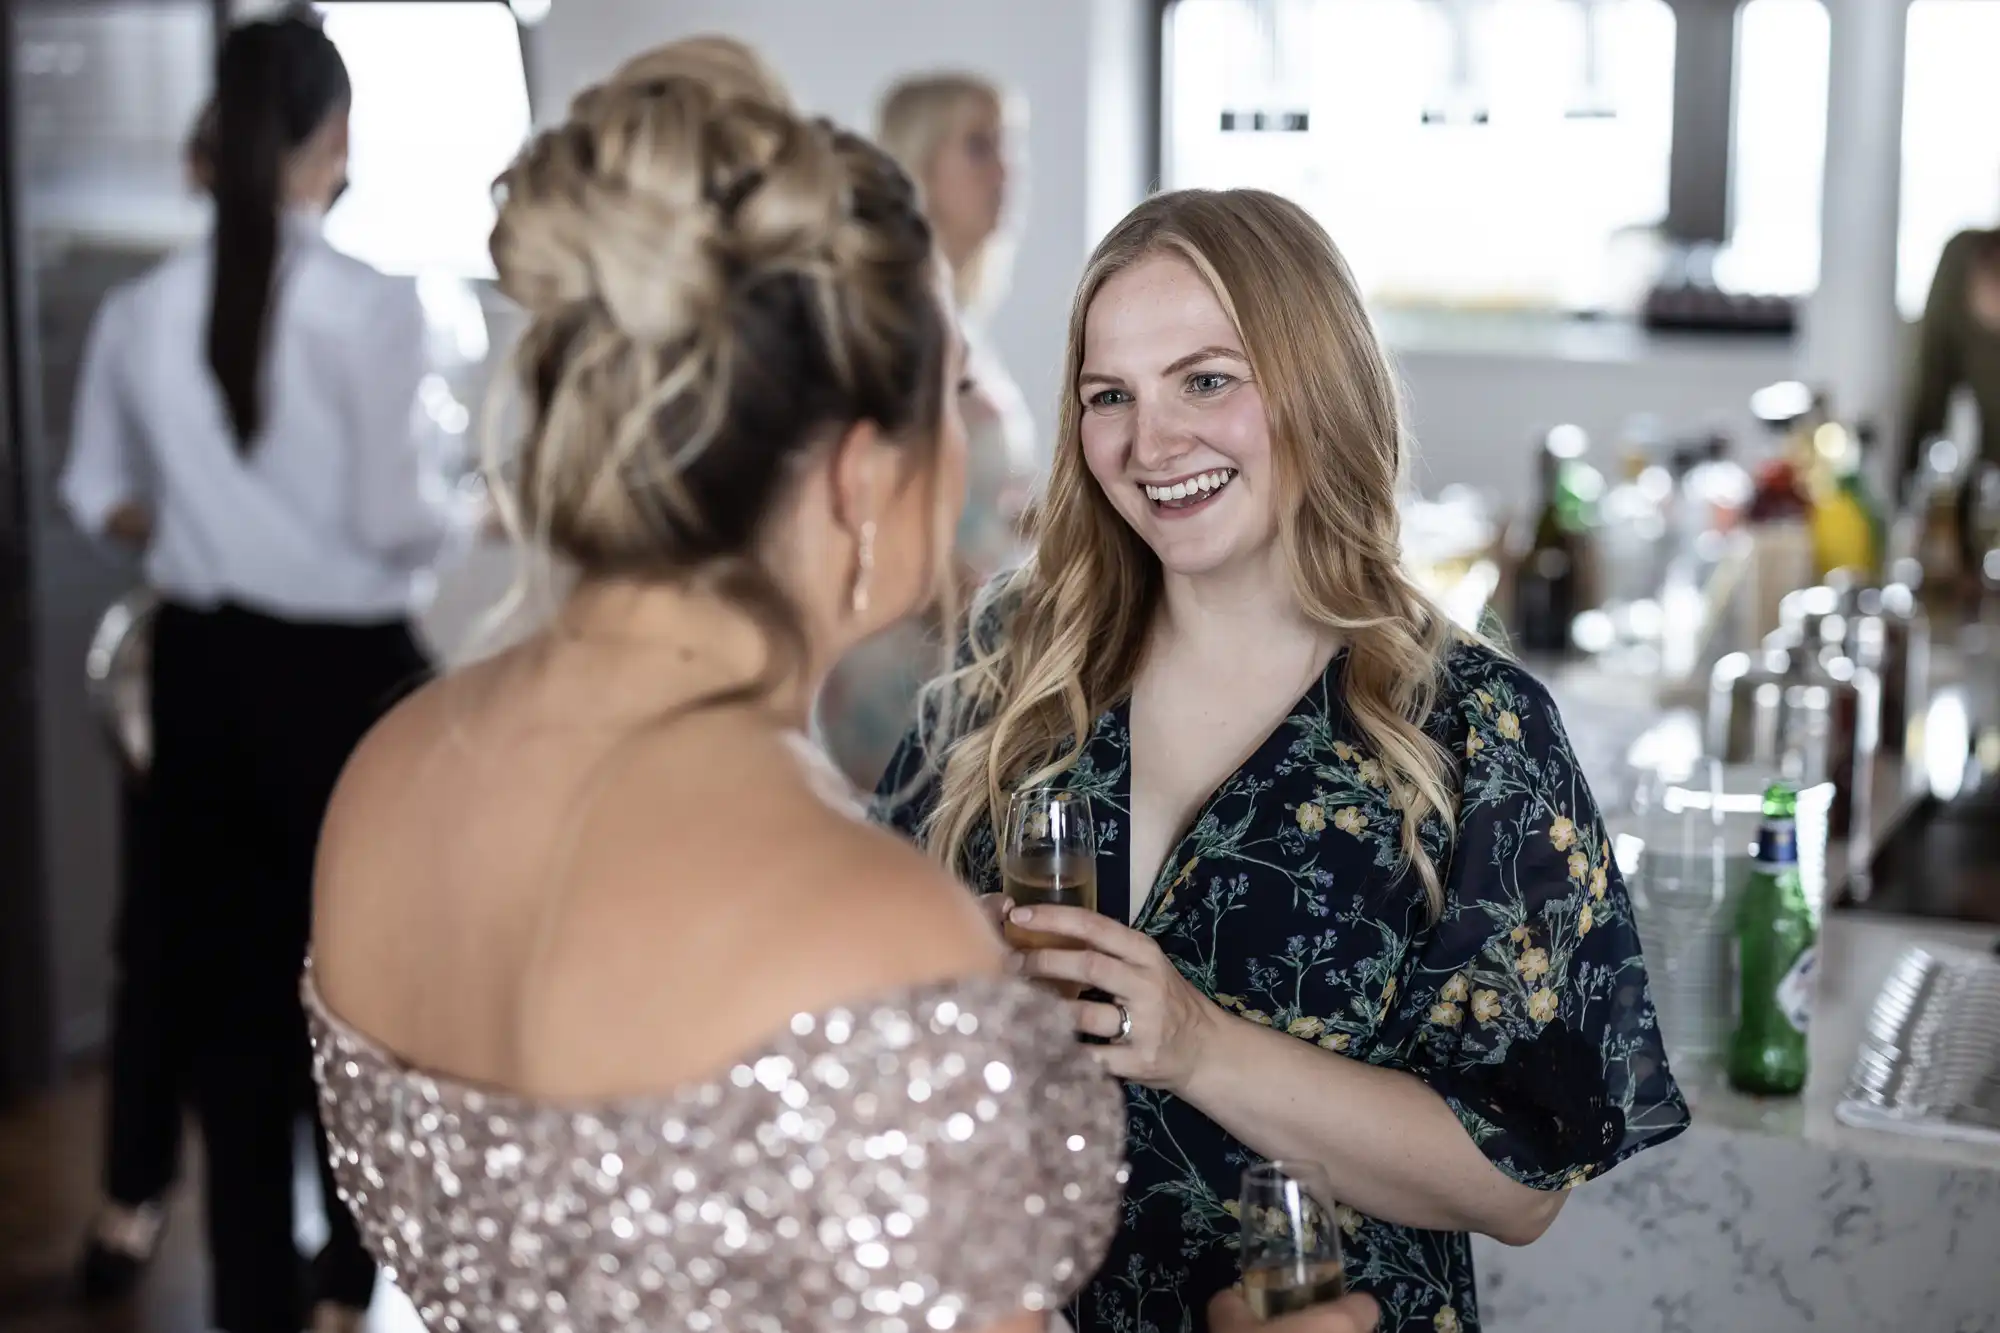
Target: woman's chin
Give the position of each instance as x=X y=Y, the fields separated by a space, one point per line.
x=1214 y=556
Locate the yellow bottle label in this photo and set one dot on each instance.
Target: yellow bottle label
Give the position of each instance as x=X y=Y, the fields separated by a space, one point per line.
x=1843 y=538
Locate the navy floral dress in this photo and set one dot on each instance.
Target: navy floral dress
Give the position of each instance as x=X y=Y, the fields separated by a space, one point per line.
x=1524 y=1007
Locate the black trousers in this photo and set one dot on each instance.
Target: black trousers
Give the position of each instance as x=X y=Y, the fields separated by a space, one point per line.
x=143 y=1123
x=254 y=717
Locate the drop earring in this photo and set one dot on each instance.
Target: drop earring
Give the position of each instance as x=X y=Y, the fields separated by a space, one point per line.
x=864 y=561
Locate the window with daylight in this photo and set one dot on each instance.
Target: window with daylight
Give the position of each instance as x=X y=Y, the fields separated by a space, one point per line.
x=430 y=133
x=1777 y=149
x=1493 y=154
x=1951 y=135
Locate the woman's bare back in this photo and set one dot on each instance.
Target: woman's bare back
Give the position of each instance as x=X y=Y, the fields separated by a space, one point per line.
x=523 y=885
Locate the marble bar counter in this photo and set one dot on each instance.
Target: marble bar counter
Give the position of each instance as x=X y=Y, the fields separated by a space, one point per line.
x=1770 y=1215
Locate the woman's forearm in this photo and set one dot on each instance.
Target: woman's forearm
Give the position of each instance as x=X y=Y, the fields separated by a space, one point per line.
x=1394 y=1150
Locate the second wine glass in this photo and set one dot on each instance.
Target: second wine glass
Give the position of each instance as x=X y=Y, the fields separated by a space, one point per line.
x=1291 y=1239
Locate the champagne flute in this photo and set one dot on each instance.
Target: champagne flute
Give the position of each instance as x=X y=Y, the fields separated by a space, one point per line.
x=1048 y=856
x=1291 y=1239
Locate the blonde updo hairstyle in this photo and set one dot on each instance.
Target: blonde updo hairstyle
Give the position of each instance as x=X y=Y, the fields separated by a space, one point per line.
x=730 y=68
x=715 y=286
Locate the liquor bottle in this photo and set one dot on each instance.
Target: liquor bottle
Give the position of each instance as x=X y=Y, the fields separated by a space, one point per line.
x=1632 y=539
x=1846 y=527
x=1552 y=580
x=1776 y=955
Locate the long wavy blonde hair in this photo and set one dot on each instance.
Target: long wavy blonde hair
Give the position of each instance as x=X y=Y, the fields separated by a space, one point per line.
x=1060 y=641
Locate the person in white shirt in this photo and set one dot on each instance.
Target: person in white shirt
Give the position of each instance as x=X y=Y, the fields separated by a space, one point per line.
x=247 y=413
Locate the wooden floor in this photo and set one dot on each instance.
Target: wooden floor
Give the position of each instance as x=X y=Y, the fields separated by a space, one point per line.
x=49 y=1152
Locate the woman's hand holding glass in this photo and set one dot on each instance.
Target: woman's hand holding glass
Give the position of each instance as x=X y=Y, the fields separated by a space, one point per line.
x=1156 y=1023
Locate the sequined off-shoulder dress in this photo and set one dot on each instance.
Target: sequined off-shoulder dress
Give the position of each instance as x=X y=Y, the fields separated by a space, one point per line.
x=934 y=1158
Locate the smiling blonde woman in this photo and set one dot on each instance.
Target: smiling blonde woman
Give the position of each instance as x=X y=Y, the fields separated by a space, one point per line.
x=1356 y=902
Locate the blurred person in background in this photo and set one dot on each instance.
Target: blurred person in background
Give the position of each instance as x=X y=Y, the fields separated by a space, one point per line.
x=1958 y=345
x=144 y=1091
x=949 y=133
x=247 y=414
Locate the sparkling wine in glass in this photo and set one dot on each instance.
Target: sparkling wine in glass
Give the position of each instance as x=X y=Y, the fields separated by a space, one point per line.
x=1291 y=1239
x=1048 y=856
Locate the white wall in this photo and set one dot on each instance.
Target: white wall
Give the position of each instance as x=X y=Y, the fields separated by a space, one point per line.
x=1082 y=66
x=1477 y=406
x=1074 y=63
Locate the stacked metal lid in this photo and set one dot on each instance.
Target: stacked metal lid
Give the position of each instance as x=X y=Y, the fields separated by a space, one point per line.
x=1930 y=1058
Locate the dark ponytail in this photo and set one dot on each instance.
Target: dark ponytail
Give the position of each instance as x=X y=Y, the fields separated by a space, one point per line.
x=276 y=83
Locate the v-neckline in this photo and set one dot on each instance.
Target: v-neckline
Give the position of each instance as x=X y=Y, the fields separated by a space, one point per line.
x=1114 y=862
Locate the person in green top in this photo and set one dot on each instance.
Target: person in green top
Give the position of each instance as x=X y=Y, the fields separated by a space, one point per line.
x=1958 y=344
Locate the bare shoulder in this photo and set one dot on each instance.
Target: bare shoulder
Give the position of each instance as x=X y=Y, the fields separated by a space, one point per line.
x=385 y=770
x=395 y=797
x=695 y=932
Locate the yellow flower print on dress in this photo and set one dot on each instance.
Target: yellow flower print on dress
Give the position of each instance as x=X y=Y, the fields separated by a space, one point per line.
x=1579 y=866
x=1563 y=833
x=1300 y=916
x=1598 y=882
x=1584 y=920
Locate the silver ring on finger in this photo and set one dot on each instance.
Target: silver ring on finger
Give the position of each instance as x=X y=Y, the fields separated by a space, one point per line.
x=1124 y=1023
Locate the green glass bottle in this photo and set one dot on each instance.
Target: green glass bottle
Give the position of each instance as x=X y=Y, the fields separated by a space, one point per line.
x=1776 y=952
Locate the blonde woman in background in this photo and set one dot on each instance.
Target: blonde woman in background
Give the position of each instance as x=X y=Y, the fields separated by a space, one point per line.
x=948 y=132
x=1356 y=904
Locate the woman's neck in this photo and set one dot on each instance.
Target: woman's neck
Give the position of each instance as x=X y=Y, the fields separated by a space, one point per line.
x=646 y=648
x=1216 y=617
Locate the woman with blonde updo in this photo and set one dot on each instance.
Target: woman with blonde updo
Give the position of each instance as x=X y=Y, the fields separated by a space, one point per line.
x=949 y=133
x=1356 y=905
x=622 y=1006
